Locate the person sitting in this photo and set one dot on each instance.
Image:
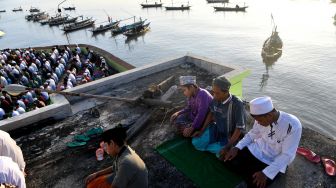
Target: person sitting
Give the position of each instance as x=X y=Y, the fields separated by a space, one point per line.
x=237 y=6
x=130 y=171
x=268 y=148
x=191 y=118
x=224 y=123
x=10 y=173
x=10 y=149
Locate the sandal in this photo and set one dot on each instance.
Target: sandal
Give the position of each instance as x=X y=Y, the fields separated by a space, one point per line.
x=308 y=154
x=75 y=144
x=81 y=138
x=94 y=131
x=329 y=166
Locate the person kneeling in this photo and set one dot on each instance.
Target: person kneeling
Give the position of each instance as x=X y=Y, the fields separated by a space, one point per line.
x=268 y=148
x=191 y=118
x=129 y=170
x=224 y=123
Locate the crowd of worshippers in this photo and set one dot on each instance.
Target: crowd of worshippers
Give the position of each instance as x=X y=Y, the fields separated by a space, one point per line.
x=216 y=123
x=58 y=69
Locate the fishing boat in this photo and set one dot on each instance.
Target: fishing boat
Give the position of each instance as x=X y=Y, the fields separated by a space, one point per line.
x=63 y=21
x=151 y=5
x=125 y=28
x=17 y=9
x=272 y=47
x=181 y=7
x=69 y=8
x=137 y=30
x=236 y=8
x=44 y=22
x=217 y=1
x=57 y=20
x=2 y=10
x=41 y=17
x=79 y=25
x=106 y=27
x=34 y=9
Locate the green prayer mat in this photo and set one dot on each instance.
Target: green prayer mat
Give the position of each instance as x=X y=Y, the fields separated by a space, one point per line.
x=203 y=168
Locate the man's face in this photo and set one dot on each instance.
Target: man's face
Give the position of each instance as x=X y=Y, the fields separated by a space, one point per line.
x=186 y=91
x=264 y=120
x=218 y=94
x=110 y=148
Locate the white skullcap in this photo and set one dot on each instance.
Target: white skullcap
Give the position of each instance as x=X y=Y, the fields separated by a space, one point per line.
x=261 y=105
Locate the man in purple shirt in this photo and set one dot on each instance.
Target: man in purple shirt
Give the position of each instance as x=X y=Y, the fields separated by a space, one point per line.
x=191 y=118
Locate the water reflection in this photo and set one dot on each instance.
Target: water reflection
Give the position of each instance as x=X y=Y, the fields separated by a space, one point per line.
x=270 y=53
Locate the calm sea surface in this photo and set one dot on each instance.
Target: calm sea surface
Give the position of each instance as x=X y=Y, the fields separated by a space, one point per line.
x=301 y=82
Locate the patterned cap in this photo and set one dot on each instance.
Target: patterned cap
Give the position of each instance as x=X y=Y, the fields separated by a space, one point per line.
x=184 y=80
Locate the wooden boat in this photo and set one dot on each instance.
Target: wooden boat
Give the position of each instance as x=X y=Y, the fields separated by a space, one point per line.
x=37 y=16
x=182 y=7
x=140 y=29
x=237 y=8
x=44 y=22
x=106 y=27
x=272 y=47
x=17 y=9
x=69 y=8
x=125 y=28
x=79 y=25
x=217 y=1
x=40 y=18
x=63 y=21
x=151 y=5
x=2 y=10
x=34 y=9
x=57 y=20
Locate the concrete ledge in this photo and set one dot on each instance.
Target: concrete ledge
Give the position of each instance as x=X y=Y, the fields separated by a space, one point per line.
x=108 y=83
x=60 y=109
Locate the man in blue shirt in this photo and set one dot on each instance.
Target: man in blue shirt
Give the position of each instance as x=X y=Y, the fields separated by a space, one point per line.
x=224 y=123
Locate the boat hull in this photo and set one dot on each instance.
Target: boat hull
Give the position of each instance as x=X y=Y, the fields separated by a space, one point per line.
x=178 y=8
x=151 y=5
x=241 y=9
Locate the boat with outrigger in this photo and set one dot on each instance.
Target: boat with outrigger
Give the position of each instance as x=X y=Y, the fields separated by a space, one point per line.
x=36 y=17
x=84 y=23
x=137 y=30
x=119 y=30
x=57 y=20
x=102 y=28
x=64 y=21
x=151 y=5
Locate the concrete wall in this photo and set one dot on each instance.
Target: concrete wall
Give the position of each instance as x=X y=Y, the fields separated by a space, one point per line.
x=60 y=109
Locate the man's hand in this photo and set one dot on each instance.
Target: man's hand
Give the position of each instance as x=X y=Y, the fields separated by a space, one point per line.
x=197 y=134
x=174 y=116
x=224 y=151
x=90 y=178
x=231 y=154
x=188 y=131
x=260 y=179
